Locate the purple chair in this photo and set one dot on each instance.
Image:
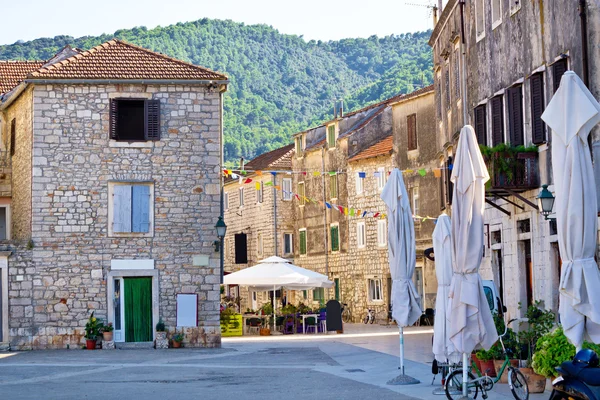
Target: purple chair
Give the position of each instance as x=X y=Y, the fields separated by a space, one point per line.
x=322 y=323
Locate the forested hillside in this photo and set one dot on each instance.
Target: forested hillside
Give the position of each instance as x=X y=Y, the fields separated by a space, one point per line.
x=280 y=84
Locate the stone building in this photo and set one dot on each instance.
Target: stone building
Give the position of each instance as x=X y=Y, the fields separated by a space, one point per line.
x=116 y=159
x=259 y=218
x=499 y=77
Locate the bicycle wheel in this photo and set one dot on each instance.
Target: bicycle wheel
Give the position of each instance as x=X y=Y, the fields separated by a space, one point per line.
x=454 y=385
x=346 y=317
x=518 y=384
x=372 y=319
x=366 y=319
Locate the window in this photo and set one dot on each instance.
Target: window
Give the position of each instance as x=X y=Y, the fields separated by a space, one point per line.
x=359 y=183
x=381 y=232
x=134 y=120
x=438 y=95
x=538 y=128
x=299 y=146
x=303 y=241
x=515 y=115
x=558 y=70
x=318 y=294
x=287 y=189
x=497 y=120
x=5 y=222
x=447 y=86
x=481 y=124
x=259 y=192
x=288 y=243
x=456 y=74
x=375 y=292
x=305 y=294
x=333 y=186
x=331 y=136
x=496 y=13
x=259 y=244
x=335 y=237
x=449 y=184
x=479 y=19
x=13 y=136
x=241 y=192
x=380 y=178
x=411 y=129
x=301 y=193
x=131 y=209
x=415 y=200
x=241 y=248
x=361 y=237
x=442 y=188
x=226 y=201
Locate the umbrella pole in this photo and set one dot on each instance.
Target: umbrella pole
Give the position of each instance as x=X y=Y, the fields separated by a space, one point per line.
x=402 y=379
x=274 y=305
x=465 y=376
x=402 y=350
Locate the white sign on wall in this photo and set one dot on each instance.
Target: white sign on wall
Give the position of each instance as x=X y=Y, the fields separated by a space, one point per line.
x=187 y=310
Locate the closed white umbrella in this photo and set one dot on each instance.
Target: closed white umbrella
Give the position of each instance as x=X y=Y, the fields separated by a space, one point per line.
x=402 y=258
x=469 y=317
x=442 y=249
x=571 y=114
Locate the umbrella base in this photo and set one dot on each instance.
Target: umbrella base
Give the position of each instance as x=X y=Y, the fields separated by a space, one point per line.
x=403 y=380
x=439 y=391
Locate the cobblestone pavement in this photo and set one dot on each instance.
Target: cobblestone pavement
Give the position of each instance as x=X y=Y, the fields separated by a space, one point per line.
x=356 y=365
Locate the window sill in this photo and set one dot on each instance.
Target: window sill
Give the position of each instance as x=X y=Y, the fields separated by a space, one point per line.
x=375 y=302
x=496 y=24
x=480 y=37
x=131 y=145
x=131 y=234
x=515 y=9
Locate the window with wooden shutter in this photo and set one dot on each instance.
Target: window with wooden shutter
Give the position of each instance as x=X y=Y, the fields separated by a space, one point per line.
x=442 y=185
x=152 y=120
x=481 y=124
x=122 y=209
x=113 y=119
x=13 y=136
x=456 y=75
x=331 y=136
x=335 y=237
x=449 y=184
x=301 y=193
x=302 y=236
x=287 y=189
x=131 y=209
x=447 y=87
x=515 y=115
x=411 y=124
x=140 y=208
x=241 y=248
x=333 y=186
x=558 y=70
x=538 y=128
x=497 y=120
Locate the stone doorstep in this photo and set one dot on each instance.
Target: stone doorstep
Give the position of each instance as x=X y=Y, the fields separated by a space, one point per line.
x=4 y=346
x=134 y=345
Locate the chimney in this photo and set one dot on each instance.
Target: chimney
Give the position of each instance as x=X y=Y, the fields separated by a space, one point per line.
x=341 y=108
x=435 y=16
x=335 y=109
x=241 y=163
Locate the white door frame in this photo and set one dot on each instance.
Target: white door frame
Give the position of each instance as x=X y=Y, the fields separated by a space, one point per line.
x=122 y=273
x=4 y=290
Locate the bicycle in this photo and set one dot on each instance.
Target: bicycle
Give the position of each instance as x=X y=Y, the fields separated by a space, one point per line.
x=516 y=379
x=370 y=317
x=346 y=313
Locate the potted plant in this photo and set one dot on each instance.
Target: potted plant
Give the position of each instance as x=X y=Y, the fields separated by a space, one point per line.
x=266 y=309
x=510 y=344
x=161 y=330
x=92 y=331
x=486 y=360
x=107 y=332
x=177 y=339
x=540 y=322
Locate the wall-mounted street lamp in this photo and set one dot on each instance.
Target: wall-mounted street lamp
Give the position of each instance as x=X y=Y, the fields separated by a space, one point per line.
x=545 y=202
x=218 y=244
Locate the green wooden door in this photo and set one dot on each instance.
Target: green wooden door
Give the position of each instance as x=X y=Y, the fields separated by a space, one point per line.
x=337 y=289
x=138 y=309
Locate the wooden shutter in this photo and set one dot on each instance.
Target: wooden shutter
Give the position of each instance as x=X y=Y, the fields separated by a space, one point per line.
x=442 y=185
x=449 y=184
x=122 y=208
x=515 y=115
x=113 y=119
x=140 y=208
x=241 y=248
x=335 y=238
x=538 y=128
x=13 y=136
x=481 y=124
x=497 y=121
x=411 y=122
x=302 y=242
x=152 y=120
x=558 y=70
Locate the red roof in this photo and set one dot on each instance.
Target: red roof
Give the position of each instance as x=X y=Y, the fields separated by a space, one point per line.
x=382 y=148
x=13 y=72
x=278 y=159
x=119 y=60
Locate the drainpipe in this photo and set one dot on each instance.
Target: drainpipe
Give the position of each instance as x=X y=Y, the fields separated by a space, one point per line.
x=463 y=61
x=222 y=184
x=274 y=180
x=325 y=213
x=584 y=44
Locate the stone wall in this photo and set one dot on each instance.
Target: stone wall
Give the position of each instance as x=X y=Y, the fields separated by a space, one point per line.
x=73 y=163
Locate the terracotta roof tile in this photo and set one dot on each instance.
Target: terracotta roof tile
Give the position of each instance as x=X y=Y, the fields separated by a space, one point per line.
x=13 y=72
x=116 y=59
x=382 y=148
x=278 y=159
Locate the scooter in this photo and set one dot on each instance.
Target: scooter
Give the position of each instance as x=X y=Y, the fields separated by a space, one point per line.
x=579 y=379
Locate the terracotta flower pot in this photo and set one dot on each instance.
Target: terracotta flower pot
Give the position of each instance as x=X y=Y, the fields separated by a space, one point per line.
x=498 y=365
x=476 y=361
x=265 y=332
x=90 y=344
x=487 y=367
x=107 y=336
x=176 y=345
x=536 y=383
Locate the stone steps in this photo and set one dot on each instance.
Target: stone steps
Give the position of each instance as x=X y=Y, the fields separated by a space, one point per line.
x=134 y=345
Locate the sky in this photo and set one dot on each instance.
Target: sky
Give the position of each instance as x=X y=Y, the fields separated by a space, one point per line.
x=319 y=20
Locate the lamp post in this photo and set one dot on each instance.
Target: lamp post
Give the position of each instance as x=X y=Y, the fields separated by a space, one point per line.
x=221 y=230
x=545 y=202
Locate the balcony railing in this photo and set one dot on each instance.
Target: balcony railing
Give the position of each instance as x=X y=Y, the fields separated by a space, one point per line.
x=516 y=172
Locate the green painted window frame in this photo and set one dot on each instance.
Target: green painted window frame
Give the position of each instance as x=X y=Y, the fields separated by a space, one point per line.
x=302 y=236
x=331 y=136
x=335 y=237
